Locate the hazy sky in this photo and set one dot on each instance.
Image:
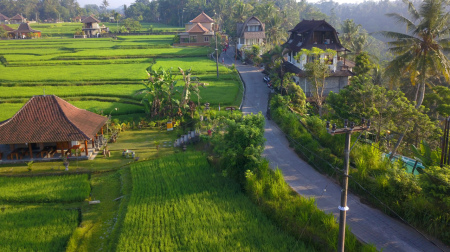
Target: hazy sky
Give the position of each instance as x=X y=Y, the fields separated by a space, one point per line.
x=117 y=3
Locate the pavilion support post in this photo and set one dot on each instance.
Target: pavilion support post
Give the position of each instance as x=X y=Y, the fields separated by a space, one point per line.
x=30 y=151
x=86 y=147
x=93 y=143
x=102 y=131
x=62 y=150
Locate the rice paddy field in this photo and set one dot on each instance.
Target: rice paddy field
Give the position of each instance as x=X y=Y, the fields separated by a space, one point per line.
x=70 y=188
x=36 y=228
x=180 y=203
x=102 y=74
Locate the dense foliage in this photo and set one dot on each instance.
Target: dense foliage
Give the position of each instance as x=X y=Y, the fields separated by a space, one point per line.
x=419 y=199
x=36 y=228
x=68 y=188
x=182 y=203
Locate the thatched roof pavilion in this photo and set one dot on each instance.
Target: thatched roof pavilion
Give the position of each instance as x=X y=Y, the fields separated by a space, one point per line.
x=48 y=119
x=25 y=31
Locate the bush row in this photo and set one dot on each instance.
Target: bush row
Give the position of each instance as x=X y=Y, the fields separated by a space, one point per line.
x=240 y=149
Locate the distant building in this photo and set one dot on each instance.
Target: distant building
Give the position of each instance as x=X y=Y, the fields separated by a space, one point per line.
x=78 y=19
x=92 y=28
x=4 y=19
x=17 y=19
x=24 y=31
x=317 y=33
x=199 y=31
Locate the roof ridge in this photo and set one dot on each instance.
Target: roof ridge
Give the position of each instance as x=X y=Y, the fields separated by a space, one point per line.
x=64 y=115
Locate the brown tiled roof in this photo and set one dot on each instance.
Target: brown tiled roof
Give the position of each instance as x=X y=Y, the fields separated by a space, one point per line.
x=49 y=118
x=90 y=19
x=6 y=28
x=202 y=18
x=24 y=28
x=198 y=28
x=3 y=17
x=17 y=17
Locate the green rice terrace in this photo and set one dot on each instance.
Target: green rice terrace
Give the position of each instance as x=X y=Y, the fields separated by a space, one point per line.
x=104 y=73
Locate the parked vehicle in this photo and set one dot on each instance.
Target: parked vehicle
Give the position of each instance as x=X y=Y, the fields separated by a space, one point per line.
x=266 y=79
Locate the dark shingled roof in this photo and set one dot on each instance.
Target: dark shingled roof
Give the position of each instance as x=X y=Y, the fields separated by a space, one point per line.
x=49 y=118
x=24 y=28
x=202 y=18
x=90 y=19
x=307 y=29
x=241 y=26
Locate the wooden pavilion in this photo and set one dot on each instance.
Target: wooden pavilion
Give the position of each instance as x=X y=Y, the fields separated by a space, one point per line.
x=25 y=31
x=47 y=124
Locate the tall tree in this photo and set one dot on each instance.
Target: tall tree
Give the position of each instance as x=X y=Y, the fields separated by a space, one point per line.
x=420 y=52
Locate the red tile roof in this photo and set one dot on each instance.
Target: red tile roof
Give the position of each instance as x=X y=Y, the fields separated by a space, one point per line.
x=198 y=28
x=202 y=18
x=17 y=17
x=6 y=28
x=49 y=118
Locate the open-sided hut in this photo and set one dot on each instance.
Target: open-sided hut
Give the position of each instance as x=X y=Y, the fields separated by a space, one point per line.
x=25 y=31
x=47 y=123
x=17 y=19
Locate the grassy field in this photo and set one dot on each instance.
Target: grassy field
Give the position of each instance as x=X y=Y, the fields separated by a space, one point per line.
x=103 y=67
x=181 y=203
x=44 y=189
x=36 y=228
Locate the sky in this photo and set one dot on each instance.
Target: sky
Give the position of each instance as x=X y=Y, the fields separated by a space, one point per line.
x=116 y=3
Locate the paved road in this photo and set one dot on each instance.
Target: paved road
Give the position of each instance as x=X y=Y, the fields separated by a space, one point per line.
x=368 y=224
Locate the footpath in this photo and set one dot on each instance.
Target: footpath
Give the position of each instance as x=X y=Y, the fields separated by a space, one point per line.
x=368 y=224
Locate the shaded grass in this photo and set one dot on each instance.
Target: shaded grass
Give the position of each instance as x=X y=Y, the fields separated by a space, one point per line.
x=44 y=189
x=36 y=228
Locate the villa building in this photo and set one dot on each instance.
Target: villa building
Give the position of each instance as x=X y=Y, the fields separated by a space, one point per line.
x=251 y=32
x=92 y=28
x=17 y=19
x=4 y=19
x=317 y=33
x=199 y=31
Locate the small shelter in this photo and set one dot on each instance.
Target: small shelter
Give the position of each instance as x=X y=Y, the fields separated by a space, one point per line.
x=199 y=31
x=48 y=124
x=91 y=27
x=79 y=18
x=25 y=31
x=17 y=19
x=4 y=19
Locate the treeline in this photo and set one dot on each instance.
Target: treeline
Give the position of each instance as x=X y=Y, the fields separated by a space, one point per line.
x=370 y=14
x=42 y=9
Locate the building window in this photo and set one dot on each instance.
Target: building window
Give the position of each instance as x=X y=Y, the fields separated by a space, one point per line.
x=206 y=39
x=193 y=39
x=253 y=28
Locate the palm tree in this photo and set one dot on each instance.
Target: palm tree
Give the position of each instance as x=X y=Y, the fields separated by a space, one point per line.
x=420 y=52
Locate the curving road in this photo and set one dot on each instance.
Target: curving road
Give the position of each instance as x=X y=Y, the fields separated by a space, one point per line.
x=368 y=224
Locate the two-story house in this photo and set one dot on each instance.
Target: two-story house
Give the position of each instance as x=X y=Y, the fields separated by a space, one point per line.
x=251 y=32
x=92 y=28
x=199 y=31
x=317 y=33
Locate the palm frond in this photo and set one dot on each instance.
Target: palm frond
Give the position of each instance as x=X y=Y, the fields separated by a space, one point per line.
x=412 y=10
x=401 y=19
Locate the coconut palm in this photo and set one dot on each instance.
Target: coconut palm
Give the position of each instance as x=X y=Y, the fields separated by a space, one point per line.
x=420 y=52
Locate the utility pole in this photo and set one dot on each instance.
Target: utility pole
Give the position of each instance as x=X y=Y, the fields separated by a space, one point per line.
x=343 y=208
x=217 y=57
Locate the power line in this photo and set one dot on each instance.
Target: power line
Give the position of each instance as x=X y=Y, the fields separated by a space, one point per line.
x=335 y=169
